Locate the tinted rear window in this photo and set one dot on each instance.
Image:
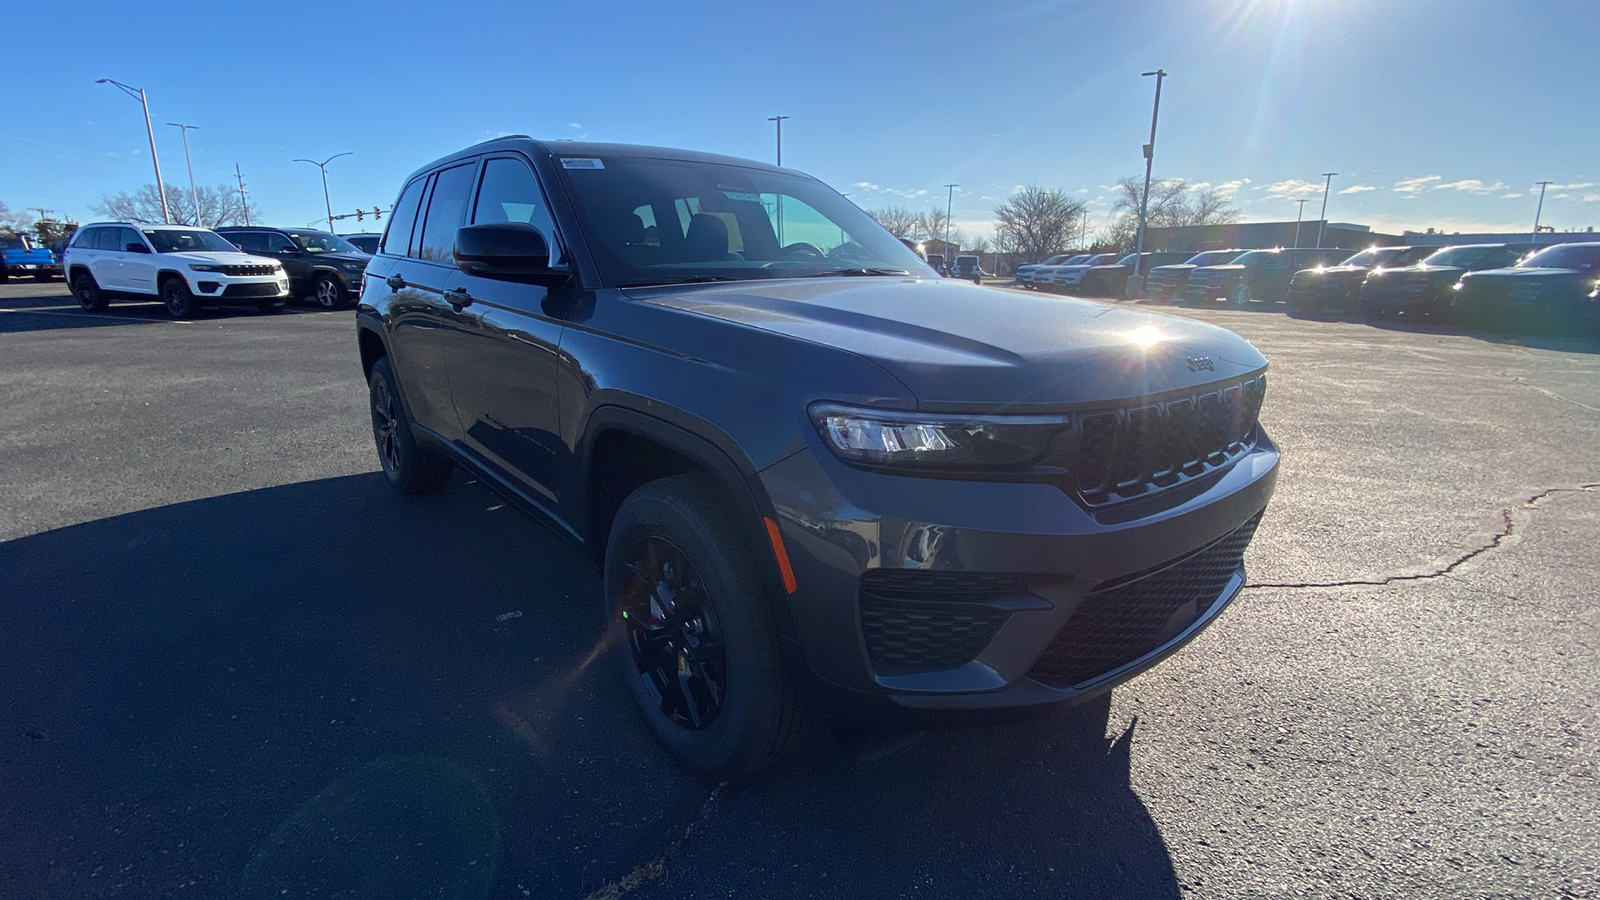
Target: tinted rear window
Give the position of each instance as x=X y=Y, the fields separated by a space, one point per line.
x=398 y=236
x=445 y=209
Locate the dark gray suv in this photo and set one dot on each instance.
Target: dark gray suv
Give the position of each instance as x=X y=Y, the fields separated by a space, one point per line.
x=816 y=476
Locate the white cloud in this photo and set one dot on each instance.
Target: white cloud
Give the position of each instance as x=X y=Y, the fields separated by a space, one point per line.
x=1471 y=186
x=907 y=193
x=866 y=186
x=1511 y=196
x=1572 y=187
x=1287 y=189
x=1358 y=189
x=1232 y=187
x=1562 y=197
x=575 y=126
x=1591 y=198
x=1415 y=186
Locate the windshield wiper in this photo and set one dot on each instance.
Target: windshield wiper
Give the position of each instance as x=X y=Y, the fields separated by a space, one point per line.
x=858 y=272
x=690 y=279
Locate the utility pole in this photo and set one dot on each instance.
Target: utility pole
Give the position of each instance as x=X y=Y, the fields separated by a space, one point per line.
x=138 y=94
x=1136 y=283
x=324 y=167
x=1540 y=210
x=194 y=194
x=243 y=199
x=1298 y=213
x=43 y=213
x=1324 y=217
x=949 y=203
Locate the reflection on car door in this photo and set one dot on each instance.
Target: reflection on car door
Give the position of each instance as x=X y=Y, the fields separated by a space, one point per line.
x=503 y=373
x=423 y=324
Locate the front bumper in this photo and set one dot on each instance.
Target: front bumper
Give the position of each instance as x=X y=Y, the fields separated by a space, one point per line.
x=238 y=288
x=1018 y=573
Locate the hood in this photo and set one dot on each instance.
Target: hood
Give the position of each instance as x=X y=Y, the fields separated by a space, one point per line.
x=219 y=258
x=1111 y=268
x=1417 y=273
x=958 y=346
x=1225 y=269
x=362 y=258
x=1180 y=267
x=1526 y=274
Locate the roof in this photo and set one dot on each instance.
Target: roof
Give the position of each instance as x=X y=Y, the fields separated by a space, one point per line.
x=143 y=225
x=590 y=149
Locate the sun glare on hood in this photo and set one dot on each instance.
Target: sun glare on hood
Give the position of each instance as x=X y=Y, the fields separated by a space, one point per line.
x=1145 y=336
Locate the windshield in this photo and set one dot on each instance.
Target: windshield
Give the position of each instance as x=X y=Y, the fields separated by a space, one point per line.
x=322 y=242
x=668 y=221
x=1255 y=257
x=1472 y=257
x=1212 y=258
x=1103 y=259
x=173 y=240
x=1564 y=256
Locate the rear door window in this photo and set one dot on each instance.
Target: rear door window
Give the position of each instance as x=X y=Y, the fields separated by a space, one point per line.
x=446 y=208
x=248 y=241
x=398 y=236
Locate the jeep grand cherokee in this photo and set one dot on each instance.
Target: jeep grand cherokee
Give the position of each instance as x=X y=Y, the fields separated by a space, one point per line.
x=809 y=468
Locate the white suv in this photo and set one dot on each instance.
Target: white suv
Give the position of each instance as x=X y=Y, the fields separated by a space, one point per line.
x=182 y=266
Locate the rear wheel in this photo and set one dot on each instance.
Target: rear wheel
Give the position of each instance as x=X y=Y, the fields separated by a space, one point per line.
x=410 y=467
x=700 y=650
x=177 y=298
x=88 y=292
x=1240 y=296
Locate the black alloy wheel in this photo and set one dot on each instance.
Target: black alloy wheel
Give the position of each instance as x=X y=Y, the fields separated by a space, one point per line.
x=672 y=634
x=409 y=467
x=88 y=292
x=177 y=298
x=328 y=292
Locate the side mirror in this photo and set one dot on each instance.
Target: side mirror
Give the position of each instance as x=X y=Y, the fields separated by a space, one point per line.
x=507 y=251
x=133 y=247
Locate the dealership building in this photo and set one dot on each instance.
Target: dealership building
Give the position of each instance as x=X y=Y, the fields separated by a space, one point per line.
x=1250 y=235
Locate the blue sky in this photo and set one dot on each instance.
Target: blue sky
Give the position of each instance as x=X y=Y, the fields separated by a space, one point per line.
x=1436 y=114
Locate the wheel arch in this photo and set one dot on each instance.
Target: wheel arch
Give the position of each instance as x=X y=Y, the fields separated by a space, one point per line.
x=623 y=449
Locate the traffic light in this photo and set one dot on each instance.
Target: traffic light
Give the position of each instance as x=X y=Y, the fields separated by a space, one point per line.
x=358 y=215
x=376 y=214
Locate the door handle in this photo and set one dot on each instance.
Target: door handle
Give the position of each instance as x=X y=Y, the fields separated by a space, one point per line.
x=459 y=298
x=395 y=282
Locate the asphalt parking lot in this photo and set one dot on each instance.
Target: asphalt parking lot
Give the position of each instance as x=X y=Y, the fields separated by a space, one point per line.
x=234 y=663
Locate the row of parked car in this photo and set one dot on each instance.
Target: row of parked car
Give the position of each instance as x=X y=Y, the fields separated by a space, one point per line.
x=187 y=268
x=1471 y=281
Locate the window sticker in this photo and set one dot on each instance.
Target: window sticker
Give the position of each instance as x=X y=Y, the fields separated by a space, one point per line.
x=568 y=162
x=739 y=195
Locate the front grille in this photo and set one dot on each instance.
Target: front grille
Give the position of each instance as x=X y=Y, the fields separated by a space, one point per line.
x=1122 y=620
x=267 y=289
x=921 y=621
x=1124 y=453
x=242 y=271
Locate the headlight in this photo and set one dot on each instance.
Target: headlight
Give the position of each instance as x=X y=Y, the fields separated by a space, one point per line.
x=352 y=266
x=198 y=267
x=1457 y=286
x=933 y=441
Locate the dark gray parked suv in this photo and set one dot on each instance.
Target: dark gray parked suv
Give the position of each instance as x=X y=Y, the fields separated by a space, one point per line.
x=815 y=475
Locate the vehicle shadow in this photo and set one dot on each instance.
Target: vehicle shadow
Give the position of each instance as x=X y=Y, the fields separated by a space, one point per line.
x=288 y=689
x=1547 y=338
x=221 y=693
x=48 y=312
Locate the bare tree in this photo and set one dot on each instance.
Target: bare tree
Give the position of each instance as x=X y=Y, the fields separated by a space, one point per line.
x=899 y=221
x=1174 y=202
x=16 y=221
x=1035 y=222
x=219 y=205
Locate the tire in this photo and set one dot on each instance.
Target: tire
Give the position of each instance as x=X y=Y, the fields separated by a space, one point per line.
x=1239 y=297
x=178 y=300
x=329 y=293
x=683 y=593
x=88 y=292
x=410 y=467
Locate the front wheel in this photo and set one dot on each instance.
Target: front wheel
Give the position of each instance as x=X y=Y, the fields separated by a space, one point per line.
x=1240 y=296
x=700 y=650
x=329 y=292
x=177 y=298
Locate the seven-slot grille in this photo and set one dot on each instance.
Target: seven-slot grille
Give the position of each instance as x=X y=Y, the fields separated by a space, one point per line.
x=1127 y=452
x=1121 y=620
x=241 y=271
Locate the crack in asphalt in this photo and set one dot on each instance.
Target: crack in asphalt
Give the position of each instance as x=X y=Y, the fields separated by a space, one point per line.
x=656 y=866
x=1549 y=393
x=1506 y=531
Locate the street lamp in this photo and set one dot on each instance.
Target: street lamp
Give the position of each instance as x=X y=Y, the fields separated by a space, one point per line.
x=1136 y=283
x=949 y=202
x=166 y=214
x=324 y=167
x=194 y=194
x=779 y=121
x=1323 y=223
x=1298 y=214
x=1539 y=211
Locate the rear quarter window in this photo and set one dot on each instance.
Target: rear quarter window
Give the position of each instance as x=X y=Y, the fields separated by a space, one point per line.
x=397 y=237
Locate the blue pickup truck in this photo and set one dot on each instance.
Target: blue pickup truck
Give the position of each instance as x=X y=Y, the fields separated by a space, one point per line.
x=21 y=256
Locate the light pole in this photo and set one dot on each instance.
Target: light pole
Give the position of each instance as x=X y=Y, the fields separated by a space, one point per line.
x=166 y=214
x=324 y=167
x=779 y=121
x=1298 y=214
x=1136 y=283
x=949 y=203
x=1323 y=223
x=243 y=200
x=1539 y=211
x=194 y=194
